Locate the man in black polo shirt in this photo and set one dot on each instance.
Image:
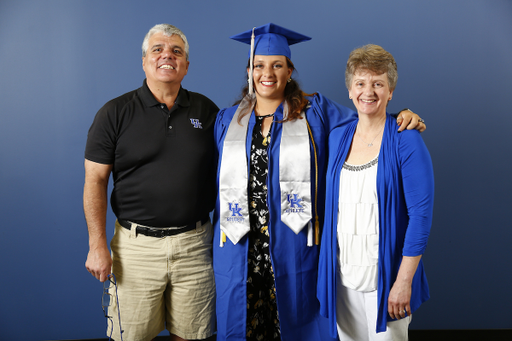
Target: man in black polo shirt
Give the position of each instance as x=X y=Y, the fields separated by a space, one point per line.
x=157 y=141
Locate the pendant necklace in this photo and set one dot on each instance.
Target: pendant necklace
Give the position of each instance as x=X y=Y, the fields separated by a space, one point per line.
x=266 y=139
x=371 y=143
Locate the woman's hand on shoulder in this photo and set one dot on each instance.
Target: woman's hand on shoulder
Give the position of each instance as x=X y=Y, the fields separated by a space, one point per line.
x=406 y=119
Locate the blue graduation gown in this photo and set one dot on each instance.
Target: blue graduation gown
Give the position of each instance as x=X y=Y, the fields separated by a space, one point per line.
x=295 y=264
x=405 y=191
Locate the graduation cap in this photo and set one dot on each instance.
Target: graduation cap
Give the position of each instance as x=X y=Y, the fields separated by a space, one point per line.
x=269 y=40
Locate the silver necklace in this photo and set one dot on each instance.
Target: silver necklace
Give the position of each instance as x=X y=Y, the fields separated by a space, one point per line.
x=371 y=143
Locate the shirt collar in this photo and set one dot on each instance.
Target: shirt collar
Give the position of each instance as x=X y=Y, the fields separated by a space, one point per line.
x=150 y=101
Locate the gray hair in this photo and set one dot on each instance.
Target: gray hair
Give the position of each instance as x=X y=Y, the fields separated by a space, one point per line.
x=372 y=58
x=167 y=30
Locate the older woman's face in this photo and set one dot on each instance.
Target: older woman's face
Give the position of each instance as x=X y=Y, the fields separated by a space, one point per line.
x=370 y=92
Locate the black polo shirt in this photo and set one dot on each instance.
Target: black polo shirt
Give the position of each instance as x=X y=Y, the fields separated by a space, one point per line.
x=163 y=160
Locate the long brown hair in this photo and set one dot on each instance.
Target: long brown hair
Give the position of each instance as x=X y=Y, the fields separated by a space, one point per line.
x=293 y=95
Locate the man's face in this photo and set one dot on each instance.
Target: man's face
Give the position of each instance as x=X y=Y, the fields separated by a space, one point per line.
x=165 y=60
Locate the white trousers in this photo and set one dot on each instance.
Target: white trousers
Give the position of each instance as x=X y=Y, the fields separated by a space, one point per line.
x=356 y=314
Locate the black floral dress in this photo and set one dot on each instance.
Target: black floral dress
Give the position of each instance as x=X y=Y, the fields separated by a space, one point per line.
x=262 y=315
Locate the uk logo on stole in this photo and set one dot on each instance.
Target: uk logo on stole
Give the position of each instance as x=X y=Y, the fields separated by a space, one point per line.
x=235 y=216
x=195 y=122
x=295 y=204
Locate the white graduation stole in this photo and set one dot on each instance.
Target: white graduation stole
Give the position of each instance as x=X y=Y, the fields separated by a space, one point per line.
x=294 y=175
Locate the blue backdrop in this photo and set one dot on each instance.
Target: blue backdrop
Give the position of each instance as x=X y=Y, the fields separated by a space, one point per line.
x=62 y=60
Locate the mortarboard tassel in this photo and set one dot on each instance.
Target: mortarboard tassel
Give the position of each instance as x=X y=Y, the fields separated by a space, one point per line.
x=222 y=238
x=252 y=62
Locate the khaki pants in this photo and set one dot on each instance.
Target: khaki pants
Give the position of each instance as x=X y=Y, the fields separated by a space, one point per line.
x=163 y=283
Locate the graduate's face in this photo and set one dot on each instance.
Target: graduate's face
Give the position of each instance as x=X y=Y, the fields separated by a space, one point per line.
x=165 y=60
x=270 y=76
x=370 y=92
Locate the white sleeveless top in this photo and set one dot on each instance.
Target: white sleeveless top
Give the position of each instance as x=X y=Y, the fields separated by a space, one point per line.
x=358 y=226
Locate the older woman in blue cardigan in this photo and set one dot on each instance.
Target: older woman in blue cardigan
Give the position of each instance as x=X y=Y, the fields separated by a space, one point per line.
x=379 y=204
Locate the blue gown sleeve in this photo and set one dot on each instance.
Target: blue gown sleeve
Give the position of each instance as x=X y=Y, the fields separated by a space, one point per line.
x=331 y=113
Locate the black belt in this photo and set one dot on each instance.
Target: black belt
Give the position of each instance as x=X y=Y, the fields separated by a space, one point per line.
x=160 y=232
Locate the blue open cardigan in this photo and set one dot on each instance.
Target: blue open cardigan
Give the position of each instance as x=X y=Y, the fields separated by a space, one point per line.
x=405 y=191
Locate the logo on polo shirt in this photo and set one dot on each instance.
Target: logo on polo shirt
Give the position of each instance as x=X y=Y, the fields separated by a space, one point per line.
x=295 y=205
x=195 y=122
